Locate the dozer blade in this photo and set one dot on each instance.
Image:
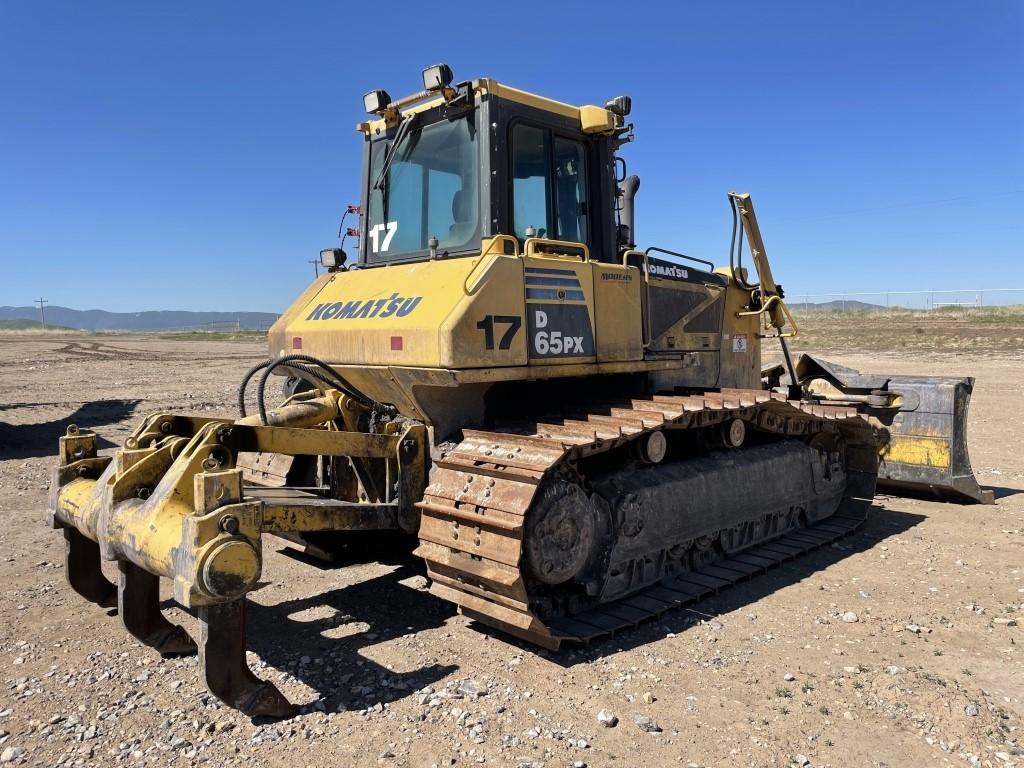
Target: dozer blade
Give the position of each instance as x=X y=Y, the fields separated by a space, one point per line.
x=923 y=421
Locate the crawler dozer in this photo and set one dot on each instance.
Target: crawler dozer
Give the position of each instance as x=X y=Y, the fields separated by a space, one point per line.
x=578 y=432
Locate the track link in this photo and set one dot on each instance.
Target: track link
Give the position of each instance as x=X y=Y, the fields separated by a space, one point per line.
x=473 y=512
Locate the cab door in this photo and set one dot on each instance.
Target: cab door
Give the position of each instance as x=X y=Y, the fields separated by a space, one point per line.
x=550 y=216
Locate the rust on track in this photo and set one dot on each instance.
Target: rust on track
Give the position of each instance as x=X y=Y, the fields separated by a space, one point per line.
x=473 y=511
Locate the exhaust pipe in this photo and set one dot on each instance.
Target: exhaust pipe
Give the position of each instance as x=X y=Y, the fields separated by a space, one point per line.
x=627 y=213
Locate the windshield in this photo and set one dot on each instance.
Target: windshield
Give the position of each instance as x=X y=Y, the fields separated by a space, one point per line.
x=431 y=189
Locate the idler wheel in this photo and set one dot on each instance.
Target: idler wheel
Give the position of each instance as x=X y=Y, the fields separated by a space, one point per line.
x=562 y=532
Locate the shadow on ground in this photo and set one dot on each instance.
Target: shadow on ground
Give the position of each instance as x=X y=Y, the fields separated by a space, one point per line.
x=335 y=626
x=1002 y=492
x=24 y=441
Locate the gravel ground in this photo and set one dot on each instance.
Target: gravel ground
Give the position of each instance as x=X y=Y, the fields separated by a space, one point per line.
x=900 y=646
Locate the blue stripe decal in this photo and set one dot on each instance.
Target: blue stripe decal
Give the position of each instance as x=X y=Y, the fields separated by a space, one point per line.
x=538 y=280
x=551 y=293
x=546 y=271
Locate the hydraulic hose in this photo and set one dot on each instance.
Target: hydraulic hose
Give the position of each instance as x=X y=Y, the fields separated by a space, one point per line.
x=316 y=370
x=736 y=249
x=332 y=378
x=310 y=374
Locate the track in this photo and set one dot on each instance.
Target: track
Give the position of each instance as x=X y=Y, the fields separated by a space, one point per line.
x=471 y=533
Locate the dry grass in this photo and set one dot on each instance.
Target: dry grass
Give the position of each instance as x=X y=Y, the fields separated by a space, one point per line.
x=998 y=330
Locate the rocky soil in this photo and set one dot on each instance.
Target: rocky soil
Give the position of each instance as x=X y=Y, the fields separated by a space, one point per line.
x=900 y=646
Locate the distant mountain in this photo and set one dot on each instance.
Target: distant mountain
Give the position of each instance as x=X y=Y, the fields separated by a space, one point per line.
x=169 y=320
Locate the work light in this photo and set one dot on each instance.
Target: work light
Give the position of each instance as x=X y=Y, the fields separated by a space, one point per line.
x=375 y=102
x=437 y=77
x=620 y=105
x=332 y=258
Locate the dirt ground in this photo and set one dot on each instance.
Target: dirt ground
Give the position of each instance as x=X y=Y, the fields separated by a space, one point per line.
x=770 y=673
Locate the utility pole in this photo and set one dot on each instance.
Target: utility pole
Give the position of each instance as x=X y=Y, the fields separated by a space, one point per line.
x=42 y=314
x=316 y=266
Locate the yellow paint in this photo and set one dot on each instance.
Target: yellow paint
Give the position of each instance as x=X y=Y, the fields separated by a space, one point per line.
x=592 y=119
x=486 y=85
x=230 y=569
x=596 y=120
x=428 y=314
x=494 y=289
x=920 y=451
x=430 y=309
x=619 y=334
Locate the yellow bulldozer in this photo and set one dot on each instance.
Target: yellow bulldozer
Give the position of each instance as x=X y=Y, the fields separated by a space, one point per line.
x=577 y=432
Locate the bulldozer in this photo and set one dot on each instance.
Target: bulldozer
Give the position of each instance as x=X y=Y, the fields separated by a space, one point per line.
x=576 y=434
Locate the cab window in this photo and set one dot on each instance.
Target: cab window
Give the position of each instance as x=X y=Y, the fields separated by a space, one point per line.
x=549 y=185
x=430 y=190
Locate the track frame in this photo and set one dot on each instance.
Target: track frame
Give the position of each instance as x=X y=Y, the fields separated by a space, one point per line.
x=480 y=492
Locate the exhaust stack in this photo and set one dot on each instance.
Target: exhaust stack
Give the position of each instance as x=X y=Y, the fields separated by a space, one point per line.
x=627 y=214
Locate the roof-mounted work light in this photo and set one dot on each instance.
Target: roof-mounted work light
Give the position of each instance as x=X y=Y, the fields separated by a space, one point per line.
x=620 y=105
x=437 y=77
x=376 y=102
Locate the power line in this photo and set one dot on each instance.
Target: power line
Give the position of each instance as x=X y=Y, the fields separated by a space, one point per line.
x=42 y=314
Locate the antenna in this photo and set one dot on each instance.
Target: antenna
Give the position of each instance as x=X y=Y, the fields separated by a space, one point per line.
x=316 y=266
x=42 y=313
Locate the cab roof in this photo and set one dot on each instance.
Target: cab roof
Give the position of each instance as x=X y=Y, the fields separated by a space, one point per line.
x=592 y=119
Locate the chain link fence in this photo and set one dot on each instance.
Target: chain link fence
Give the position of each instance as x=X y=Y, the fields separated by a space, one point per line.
x=956 y=299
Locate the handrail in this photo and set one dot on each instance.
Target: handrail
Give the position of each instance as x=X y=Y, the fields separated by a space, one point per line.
x=634 y=252
x=711 y=266
x=530 y=248
x=491 y=242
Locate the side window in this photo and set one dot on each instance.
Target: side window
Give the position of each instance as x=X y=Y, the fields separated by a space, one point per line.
x=549 y=185
x=570 y=190
x=530 y=180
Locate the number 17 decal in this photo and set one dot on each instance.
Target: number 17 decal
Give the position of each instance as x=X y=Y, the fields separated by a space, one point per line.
x=487 y=326
x=388 y=229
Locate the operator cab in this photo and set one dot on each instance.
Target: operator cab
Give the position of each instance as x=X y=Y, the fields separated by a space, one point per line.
x=457 y=164
x=479 y=168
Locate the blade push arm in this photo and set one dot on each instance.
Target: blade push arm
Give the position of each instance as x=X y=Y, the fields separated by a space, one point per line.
x=770 y=291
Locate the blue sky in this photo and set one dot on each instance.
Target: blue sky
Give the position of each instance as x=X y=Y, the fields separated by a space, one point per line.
x=196 y=155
